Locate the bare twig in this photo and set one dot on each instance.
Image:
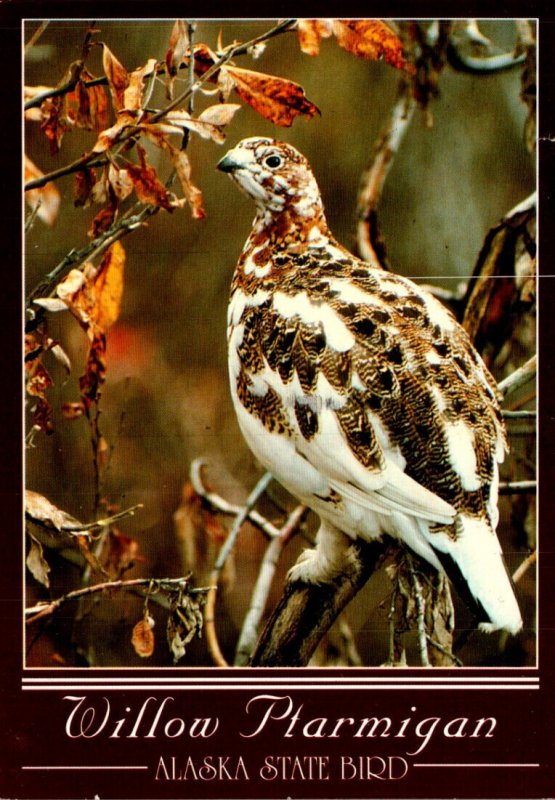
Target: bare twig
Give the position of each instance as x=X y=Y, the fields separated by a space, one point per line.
x=249 y=631
x=37 y=34
x=524 y=567
x=160 y=585
x=518 y=487
x=420 y=612
x=444 y=650
x=467 y=34
x=101 y=523
x=374 y=177
x=227 y=547
x=520 y=377
x=220 y=504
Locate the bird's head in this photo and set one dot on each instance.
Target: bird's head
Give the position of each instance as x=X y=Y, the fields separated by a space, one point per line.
x=275 y=175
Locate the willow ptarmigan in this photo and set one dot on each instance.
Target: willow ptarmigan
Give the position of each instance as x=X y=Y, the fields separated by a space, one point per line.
x=361 y=393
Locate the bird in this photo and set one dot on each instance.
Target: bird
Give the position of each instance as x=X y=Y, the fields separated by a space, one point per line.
x=361 y=393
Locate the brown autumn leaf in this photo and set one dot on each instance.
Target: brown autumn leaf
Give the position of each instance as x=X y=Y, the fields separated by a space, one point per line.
x=111 y=136
x=134 y=97
x=54 y=124
x=87 y=106
x=37 y=382
x=41 y=510
x=142 y=638
x=105 y=217
x=371 y=39
x=36 y=563
x=278 y=100
x=123 y=553
x=150 y=190
x=45 y=200
x=85 y=180
x=193 y=194
x=120 y=181
x=310 y=32
x=118 y=77
x=179 y=42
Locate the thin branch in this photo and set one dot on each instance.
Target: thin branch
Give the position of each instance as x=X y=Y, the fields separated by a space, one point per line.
x=444 y=650
x=466 y=33
x=520 y=377
x=374 y=177
x=421 y=612
x=227 y=547
x=160 y=584
x=524 y=567
x=518 y=487
x=249 y=631
x=37 y=34
x=220 y=504
x=518 y=414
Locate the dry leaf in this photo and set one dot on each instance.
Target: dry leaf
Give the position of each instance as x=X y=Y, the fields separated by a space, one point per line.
x=310 y=32
x=219 y=114
x=123 y=553
x=143 y=637
x=36 y=562
x=42 y=511
x=134 y=97
x=45 y=200
x=120 y=182
x=85 y=180
x=179 y=42
x=182 y=165
x=371 y=39
x=276 y=99
x=87 y=107
x=118 y=77
x=150 y=190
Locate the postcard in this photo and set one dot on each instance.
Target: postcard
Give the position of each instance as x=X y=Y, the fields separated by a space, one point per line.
x=281 y=438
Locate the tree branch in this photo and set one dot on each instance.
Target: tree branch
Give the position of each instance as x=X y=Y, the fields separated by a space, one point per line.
x=305 y=613
x=160 y=585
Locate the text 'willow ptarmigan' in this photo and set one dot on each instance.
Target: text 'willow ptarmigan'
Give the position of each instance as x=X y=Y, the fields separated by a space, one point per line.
x=361 y=393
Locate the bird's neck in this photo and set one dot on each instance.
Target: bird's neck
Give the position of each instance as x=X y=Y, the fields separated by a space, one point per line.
x=294 y=228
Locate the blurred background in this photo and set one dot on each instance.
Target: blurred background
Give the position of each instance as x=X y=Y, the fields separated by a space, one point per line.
x=166 y=400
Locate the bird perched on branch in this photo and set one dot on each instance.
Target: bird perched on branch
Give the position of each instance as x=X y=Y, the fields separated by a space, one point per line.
x=361 y=393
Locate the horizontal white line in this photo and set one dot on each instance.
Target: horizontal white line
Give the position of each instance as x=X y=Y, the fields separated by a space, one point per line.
x=333 y=681
x=258 y=687
x=475 y=765
x=84 y=766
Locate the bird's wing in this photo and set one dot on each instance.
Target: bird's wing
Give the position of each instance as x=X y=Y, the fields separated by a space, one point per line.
x=381 y=388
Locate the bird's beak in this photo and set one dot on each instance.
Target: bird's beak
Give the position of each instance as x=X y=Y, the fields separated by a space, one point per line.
x=228 y=163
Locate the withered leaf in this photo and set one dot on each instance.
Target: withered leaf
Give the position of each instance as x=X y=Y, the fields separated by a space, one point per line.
x=45 y=200
x=118 y=77
x=134 y=97
x=310 y=32
x=87 y=106
x=37 y=382
x=120 y=182
x=105 y=217
x=94 y=296
x=111 y=136
x=39 y=509
x=123 y=552
x=179 y=42
x=85 y=179
x=36 y=563
x=54 y=124
x=182 y=165
x=150 y=190
x=276 y=99
x=142 y=638
x=371 y=39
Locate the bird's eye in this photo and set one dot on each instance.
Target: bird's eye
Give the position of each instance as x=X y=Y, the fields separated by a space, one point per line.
x=273 y=162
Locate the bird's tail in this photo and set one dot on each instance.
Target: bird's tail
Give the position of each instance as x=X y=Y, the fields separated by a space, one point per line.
x=474 y=563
